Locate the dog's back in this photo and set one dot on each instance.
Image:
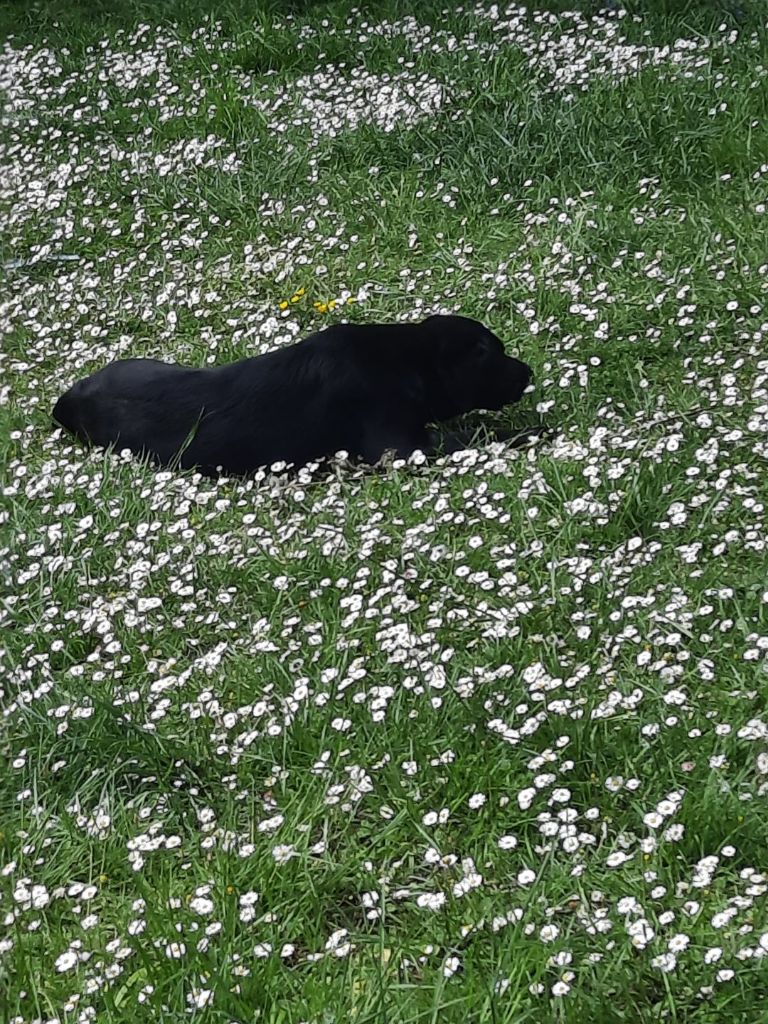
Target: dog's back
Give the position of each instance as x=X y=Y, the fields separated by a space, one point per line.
x=143 y=404
x=278 y=406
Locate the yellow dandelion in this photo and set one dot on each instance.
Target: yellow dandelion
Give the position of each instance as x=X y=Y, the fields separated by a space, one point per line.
x=283 y=305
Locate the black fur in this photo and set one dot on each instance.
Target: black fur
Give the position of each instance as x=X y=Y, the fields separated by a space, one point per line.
x=361 y=389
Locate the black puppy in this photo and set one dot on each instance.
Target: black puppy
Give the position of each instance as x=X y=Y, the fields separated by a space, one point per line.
x=361 y=389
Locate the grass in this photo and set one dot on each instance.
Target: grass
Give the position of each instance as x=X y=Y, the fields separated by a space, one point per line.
x=481 y=741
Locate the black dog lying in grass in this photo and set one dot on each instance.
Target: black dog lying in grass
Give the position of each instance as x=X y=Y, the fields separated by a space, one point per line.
x=360 y=389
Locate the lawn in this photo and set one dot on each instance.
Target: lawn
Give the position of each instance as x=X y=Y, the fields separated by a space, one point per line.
x=476 y=740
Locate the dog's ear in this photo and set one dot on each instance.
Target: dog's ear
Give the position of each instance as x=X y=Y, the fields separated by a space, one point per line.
x=412 y=388
x=459 y=340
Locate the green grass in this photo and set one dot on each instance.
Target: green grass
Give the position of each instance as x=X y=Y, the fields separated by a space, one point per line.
x=195 y=676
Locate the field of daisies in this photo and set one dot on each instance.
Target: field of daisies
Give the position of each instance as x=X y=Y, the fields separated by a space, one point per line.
x=480 y=740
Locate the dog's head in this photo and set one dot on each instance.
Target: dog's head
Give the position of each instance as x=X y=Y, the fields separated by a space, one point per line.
x=469 y=368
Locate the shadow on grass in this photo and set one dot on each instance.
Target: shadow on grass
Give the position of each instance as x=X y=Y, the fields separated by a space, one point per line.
x=88 y=19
